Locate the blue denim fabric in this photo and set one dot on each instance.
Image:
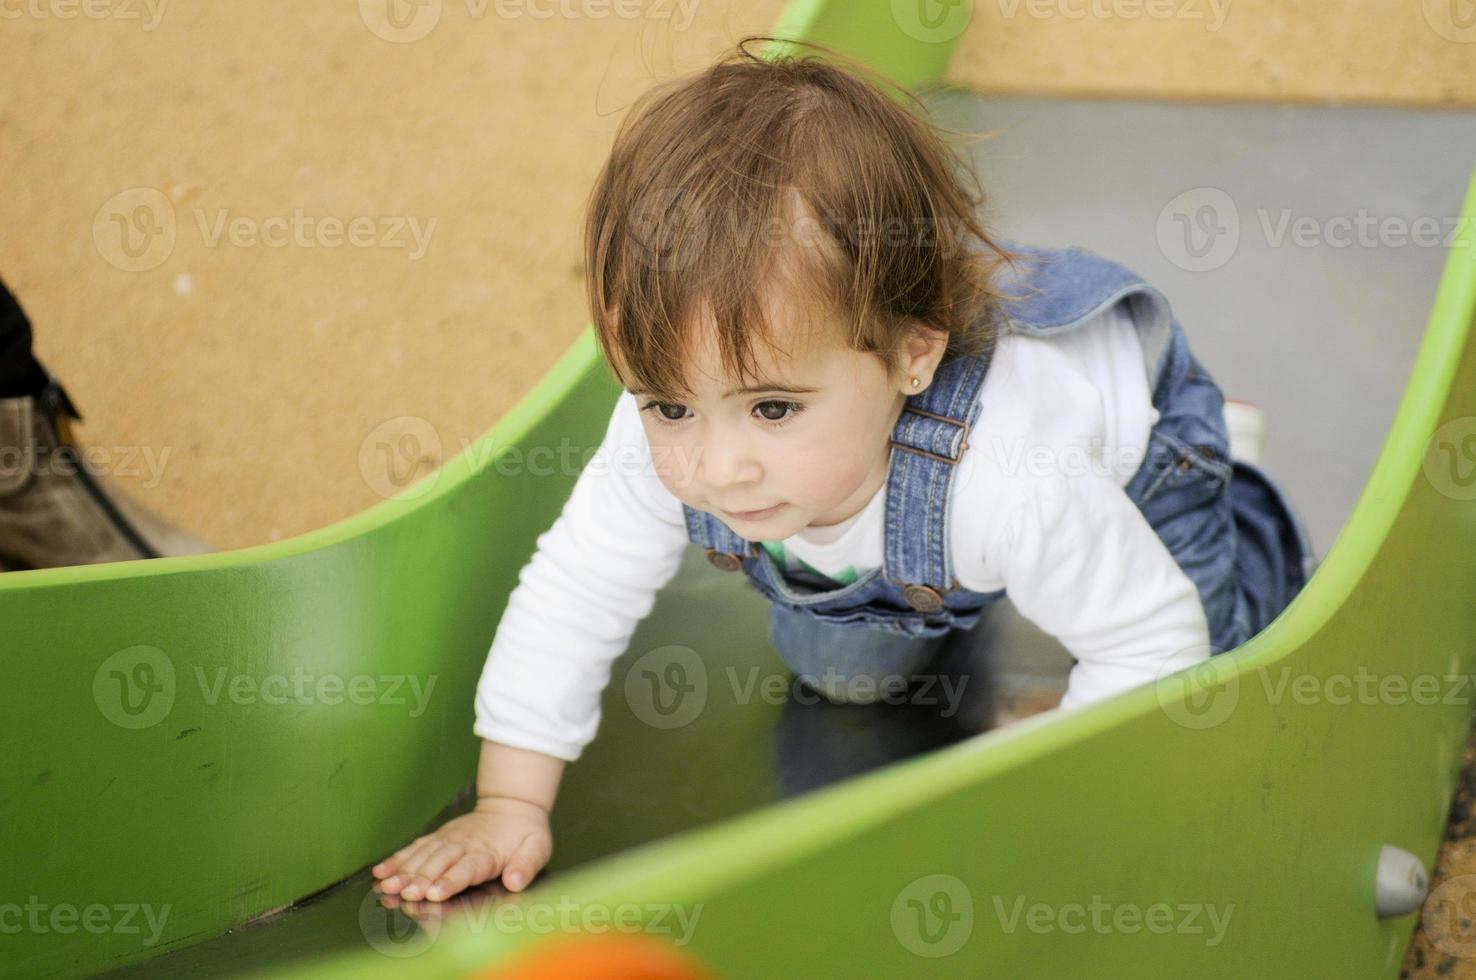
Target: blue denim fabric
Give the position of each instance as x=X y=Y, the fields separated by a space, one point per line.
x=1227 y=524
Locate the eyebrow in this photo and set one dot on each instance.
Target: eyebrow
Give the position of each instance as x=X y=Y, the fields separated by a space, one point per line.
x=748 y=390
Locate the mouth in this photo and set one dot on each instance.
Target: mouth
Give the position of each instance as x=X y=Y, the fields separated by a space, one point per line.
x=753 y=515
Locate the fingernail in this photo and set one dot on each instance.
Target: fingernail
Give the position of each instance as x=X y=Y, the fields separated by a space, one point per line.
x=434 y=894
x=514 y=880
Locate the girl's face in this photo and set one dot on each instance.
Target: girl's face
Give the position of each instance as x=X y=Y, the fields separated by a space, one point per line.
x=806 y=445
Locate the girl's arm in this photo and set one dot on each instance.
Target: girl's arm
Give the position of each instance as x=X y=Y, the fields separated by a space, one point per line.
x=510 y=773
x=594 y=576
x=1082 y=562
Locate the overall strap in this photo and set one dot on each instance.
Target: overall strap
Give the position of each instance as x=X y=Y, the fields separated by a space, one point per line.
x=927 y=442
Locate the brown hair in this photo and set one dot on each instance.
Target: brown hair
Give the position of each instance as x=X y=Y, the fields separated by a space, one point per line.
x=707 y=167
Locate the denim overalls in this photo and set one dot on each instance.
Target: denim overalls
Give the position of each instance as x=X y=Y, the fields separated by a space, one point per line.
x=1227 y=524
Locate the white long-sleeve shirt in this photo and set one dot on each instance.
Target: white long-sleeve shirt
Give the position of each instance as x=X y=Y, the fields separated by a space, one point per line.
x=1038 y=509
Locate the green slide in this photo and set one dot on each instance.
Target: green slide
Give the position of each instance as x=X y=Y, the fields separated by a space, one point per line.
x=195 y=744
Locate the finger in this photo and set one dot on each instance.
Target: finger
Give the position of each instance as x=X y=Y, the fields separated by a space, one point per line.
x=405 y=872
x=392 y=863
x=429 y=868
x=472 y=869
x=531 y=855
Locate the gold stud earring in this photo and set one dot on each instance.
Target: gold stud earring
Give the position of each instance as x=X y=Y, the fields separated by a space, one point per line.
x=915 y=382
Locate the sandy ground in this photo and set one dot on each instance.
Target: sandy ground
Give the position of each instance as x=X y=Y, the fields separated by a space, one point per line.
x=182 y=181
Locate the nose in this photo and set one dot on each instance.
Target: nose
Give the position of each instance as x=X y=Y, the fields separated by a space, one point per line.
x=728 y=461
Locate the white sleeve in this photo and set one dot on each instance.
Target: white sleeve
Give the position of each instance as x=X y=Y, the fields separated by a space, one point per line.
x=592 y=579
x=1081 y=561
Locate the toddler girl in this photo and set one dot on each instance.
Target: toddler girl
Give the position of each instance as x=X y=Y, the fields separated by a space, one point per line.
x=840 y=385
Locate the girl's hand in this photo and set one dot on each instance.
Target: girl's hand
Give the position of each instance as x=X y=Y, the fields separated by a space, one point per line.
x=502 y=836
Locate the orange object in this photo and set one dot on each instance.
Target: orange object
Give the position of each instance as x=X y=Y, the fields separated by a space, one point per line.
x=613 y=957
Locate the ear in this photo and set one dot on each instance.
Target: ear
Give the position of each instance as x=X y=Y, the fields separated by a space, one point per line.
x=920 y=357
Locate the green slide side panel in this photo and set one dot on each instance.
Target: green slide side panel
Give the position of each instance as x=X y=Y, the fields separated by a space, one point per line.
x=212 y=737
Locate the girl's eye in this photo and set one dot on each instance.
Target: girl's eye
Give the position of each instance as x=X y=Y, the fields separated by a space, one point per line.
x=786 y=411
x=661 y=407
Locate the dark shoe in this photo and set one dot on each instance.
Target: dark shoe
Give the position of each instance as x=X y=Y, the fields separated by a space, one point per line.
x=54 y=511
